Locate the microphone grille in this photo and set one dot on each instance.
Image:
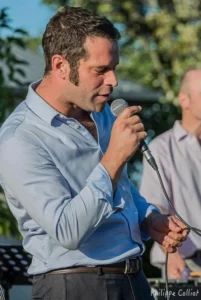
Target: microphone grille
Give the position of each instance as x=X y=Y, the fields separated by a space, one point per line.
x=117 y=106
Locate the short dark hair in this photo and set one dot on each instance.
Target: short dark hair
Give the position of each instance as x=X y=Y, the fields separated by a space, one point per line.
x=66 y=33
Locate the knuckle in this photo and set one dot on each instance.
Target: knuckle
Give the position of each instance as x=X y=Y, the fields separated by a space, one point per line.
x=135 y=137
x=171 y=234
x=128 y=109
x=139 y=126
x=123 y=125
x=127 y=129
x=130 y=130
x=131 y=110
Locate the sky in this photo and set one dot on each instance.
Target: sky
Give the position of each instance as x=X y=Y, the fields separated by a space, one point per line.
x=29 y=15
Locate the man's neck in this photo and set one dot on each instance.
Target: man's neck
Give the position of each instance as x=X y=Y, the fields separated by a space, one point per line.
x=53 y=96
x=192 y=127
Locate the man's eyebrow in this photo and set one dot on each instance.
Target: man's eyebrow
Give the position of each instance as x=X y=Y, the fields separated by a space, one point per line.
x=104 y=66
x=101 y=67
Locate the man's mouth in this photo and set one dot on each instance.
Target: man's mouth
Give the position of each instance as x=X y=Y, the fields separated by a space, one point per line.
x=104 y=98
x=107 y=94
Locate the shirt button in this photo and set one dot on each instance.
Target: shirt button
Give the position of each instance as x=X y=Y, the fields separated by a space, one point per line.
x=77 y=126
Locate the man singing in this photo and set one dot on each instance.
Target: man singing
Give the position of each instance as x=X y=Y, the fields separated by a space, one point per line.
x=63 y=169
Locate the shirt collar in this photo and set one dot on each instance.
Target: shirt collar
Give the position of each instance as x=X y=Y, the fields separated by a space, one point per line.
x=38 y=105
x=178 y=131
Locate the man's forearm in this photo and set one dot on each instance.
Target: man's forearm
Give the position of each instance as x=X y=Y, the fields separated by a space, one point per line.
x=147 y=222
x=113 y=167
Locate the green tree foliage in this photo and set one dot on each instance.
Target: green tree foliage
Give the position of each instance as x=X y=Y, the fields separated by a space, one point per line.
x=13 y=38
x=10 y=66
x=160 y=39
x=33 y=43
x=8 y=224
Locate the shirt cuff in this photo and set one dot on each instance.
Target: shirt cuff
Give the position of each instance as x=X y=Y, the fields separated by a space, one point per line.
x=144 y=235
x=100 y=183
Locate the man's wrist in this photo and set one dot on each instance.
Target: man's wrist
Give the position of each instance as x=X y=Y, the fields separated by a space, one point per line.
x=113 y=168
x=148 y=221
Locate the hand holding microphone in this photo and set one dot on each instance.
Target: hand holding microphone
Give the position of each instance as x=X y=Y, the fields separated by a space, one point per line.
x=126 y=135
x=127 y=132
x=117 y=107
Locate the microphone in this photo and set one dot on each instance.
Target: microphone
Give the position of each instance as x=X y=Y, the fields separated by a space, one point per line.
x=117 y=106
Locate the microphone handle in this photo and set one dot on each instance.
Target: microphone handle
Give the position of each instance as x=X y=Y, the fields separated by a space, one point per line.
x=147 y=154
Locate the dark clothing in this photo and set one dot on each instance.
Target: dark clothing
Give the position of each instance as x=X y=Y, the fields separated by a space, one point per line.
x=91 y=286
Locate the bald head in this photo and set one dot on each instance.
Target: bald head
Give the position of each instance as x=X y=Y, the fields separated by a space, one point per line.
x=190 y=99
x=191 y=82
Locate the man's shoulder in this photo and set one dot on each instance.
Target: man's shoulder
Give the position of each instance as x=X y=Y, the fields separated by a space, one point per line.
x=162 y=141
x=163 y=137
x=13 y=122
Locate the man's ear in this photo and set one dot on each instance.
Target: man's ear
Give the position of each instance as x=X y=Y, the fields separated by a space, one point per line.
x=59 y=66
x=184 y=100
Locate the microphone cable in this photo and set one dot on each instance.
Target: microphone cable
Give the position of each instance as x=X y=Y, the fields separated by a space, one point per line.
x=117 y=106
x=194 y=229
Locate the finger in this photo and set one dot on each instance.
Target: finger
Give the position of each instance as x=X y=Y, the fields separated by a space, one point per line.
x=169 y=248
x=177 y=236
x=178 y=223
x=129 y=111
x=134 y=120
x=172 y=242
x=174 y=274
x=138 y=127
x=141 y=135
x=175 y=224
x=185 y=232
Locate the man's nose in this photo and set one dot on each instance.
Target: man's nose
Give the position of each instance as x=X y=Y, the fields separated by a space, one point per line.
x=111 y=79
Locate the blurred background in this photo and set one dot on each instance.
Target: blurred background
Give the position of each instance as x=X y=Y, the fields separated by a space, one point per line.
x=160 y=41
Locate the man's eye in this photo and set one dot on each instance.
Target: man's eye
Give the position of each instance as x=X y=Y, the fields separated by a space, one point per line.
x=100 y=71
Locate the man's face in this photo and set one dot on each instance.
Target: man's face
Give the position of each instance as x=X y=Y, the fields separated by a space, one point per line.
x=195 y=98
x=96 y=74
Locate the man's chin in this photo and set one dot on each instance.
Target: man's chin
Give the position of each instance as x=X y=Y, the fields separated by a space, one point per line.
x=100 y=107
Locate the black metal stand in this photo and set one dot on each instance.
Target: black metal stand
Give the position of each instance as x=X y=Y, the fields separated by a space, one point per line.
x=14 y=262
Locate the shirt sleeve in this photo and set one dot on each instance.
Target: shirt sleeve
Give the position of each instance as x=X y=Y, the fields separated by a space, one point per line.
x=150 y=187
x=144 y=208
x=29 y=175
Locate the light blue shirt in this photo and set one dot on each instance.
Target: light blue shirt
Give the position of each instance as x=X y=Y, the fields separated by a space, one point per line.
x=60 y=193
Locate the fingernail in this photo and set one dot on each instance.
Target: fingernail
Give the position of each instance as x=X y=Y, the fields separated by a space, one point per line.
x=185 y=229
